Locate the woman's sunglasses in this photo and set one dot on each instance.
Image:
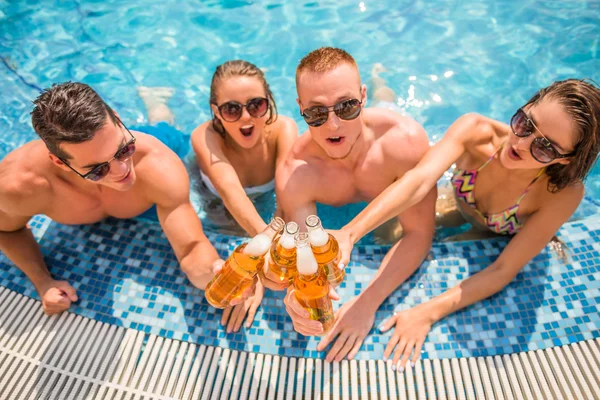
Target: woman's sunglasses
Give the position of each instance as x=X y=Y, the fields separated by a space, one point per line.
x=231 y=111
x=541 y=148
x=101 y=170
x=346 y=110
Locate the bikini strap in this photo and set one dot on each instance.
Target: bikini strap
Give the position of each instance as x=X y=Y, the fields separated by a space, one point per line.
x=491 y=158
x=531 y=184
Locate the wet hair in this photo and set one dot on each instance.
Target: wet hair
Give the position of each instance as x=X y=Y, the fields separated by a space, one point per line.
x=581 y=100
x=69 y=112
x=233 y=68
x=323 y=59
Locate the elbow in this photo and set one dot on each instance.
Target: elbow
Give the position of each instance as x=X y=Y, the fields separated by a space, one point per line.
x=502 y=275
x=421 y=184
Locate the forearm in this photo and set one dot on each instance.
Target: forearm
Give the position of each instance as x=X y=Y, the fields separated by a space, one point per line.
x=21 y=248
x=243 y=211
x=399 y=264
x=394 y=200
x=198 y=262
x=472 y=290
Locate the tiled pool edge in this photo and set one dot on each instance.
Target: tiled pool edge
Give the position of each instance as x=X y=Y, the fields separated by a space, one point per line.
x=152 y=301
x=107 y=361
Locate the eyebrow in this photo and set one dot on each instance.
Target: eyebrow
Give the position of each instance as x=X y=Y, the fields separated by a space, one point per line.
x=346 y=96
x=552 y=142
x=92 y=166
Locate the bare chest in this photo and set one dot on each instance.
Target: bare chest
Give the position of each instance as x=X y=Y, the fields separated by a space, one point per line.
x=256 y=168
x=72 y=206
x=337 y=187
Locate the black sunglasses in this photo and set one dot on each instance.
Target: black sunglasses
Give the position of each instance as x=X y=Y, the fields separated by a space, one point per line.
x=345 y=109
x=541 y=148
x=231 y=111
x=101 y=170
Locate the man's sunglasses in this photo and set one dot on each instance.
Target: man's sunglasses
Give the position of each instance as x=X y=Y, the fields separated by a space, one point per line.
x=231 y=111
x=346 y=110
x=541 y=148
x=101 y=170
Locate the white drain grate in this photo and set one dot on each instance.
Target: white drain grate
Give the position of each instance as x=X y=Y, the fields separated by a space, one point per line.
x=71 y=357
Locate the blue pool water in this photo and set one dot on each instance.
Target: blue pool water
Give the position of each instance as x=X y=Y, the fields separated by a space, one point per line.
x=444 y=58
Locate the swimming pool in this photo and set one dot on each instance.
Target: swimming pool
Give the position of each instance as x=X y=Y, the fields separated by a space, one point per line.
x=445 y=58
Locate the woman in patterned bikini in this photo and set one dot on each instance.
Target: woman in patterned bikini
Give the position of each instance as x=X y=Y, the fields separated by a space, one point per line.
x=522 y=179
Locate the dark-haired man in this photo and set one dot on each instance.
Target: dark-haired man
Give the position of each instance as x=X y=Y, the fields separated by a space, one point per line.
x=86 y=167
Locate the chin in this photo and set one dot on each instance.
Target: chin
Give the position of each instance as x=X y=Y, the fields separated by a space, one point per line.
x=127 y=185
x=338 y=154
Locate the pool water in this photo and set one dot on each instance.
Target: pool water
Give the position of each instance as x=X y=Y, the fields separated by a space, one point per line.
x=444 y=58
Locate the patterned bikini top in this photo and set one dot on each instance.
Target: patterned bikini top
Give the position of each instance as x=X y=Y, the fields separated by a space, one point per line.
x=505 y=222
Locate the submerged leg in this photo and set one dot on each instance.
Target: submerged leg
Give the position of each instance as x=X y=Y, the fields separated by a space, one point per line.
x=381 y=92
x=447 y=214
x=155 y=99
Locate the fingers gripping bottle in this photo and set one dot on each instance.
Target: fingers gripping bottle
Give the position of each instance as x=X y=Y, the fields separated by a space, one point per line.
x=312 y=289
x=282 y=263
x=241 y=267
x=326 y=250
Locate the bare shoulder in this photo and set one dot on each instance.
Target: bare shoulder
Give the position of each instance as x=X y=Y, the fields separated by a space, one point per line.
x=24 y=186
x=160 y=172
x=398 y=136
x=207 y=143
x=286 y=126
x=475 y=128
x=569 y=197
x=199 y=133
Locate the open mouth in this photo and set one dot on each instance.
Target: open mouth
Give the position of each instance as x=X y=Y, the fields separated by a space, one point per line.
x=247 y=130
x=335 y=140
x=513 y=155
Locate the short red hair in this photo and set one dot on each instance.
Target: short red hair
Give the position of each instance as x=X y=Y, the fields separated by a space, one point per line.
x=324 y=59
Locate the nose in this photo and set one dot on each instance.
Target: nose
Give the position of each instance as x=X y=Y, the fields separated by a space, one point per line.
x=524 y=143
x=333 y=122
x=118 y=168
x=245 y=115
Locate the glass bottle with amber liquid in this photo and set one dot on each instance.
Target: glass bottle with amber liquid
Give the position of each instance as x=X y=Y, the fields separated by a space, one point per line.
x=312 y=288
x=282 y=261
x=240 y=269
x=326 y=250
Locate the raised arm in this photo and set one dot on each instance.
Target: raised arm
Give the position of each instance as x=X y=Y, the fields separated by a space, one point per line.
x=295 y=184
x=213 y=162
x=413 y=325
x=20 y=247
x=418 y=182
x=285 y=142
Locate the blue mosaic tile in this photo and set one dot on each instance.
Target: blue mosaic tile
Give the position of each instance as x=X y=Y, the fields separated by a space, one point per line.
x=126 y=274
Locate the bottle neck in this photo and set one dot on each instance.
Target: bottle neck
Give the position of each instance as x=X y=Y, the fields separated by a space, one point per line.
x=274 y=227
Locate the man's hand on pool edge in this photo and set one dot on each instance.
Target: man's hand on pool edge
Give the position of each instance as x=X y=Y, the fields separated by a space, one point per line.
x=56 y=296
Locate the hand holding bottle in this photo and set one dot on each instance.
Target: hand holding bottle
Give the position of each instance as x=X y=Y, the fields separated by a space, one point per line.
x=301 y=318
x=238 y=274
